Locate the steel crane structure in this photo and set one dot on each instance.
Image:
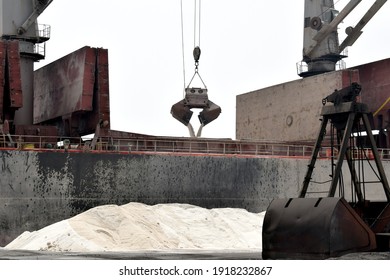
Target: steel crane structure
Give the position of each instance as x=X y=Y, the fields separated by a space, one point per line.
x=321 y=47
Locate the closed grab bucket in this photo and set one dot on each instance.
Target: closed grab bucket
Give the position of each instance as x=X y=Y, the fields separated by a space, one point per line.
x=313 y=228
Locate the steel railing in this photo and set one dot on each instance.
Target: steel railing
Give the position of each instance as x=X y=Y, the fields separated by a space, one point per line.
x=174 y=145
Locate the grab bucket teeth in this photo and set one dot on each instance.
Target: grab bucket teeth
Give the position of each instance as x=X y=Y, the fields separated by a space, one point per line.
x=195 y=98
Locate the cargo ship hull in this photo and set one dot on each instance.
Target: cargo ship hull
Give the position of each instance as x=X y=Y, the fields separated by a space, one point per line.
x=39 y=188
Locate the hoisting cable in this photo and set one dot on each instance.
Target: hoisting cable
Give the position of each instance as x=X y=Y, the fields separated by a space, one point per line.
x=182 y=47
x=197 y=21
x=194 y=97
x=341 y=180
x=197 y=52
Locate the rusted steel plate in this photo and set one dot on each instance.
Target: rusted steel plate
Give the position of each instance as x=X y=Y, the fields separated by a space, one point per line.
x=74 y=89
x=14 y=74
x=65 y=86
x=38 y=136
x=348 y=77
x=2 y=76
x=375 y=81
x=103 y=86
x=10 y=79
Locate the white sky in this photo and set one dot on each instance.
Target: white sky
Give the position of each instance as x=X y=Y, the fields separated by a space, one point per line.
x=246 y=45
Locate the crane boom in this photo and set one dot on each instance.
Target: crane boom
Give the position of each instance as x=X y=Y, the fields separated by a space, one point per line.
x=39 y=7
x=355 y=32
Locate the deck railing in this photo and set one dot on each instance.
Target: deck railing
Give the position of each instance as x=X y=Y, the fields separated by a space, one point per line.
x=174 y=145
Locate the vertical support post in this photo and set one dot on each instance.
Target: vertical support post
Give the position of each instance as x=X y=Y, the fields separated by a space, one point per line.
x=314 y=156
x=376 y=157
x=354 y=178
x=340 y=159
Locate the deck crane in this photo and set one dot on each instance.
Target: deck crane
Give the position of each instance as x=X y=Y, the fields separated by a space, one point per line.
x=195 y=97
x=321 y=47
x=19 y=26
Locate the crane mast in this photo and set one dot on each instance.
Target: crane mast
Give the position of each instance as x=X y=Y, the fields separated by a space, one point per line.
x=321 y=47
x=19 y=27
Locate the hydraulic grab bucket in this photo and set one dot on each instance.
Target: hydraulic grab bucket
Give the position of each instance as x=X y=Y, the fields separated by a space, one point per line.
x=195 y=97
x=314 y=228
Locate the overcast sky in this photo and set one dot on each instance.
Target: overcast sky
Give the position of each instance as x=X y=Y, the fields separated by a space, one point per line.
x=246 y=45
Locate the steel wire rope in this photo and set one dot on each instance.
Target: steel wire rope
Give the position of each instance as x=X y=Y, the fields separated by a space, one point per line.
x=332 y=150
x=367 y=159
x=351 y=166
x=361 y=153
x=197 y=20
x=332 y=163
x=182 y=47
x=197 y=23
x=197 y=26
x=341 y=178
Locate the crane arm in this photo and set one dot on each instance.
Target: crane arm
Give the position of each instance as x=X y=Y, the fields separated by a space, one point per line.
x=39 y=7
x=354 y=33
x=332 y=26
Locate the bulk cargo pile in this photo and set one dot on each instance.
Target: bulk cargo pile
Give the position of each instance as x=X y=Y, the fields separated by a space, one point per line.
x=137 y=226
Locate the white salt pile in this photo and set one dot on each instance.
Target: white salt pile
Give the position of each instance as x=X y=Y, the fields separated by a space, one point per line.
x=136 y=226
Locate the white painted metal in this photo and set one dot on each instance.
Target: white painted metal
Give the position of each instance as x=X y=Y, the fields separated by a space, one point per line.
x=321 y=48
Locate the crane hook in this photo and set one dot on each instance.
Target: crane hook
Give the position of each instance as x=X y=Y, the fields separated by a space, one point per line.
x=196 y=54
